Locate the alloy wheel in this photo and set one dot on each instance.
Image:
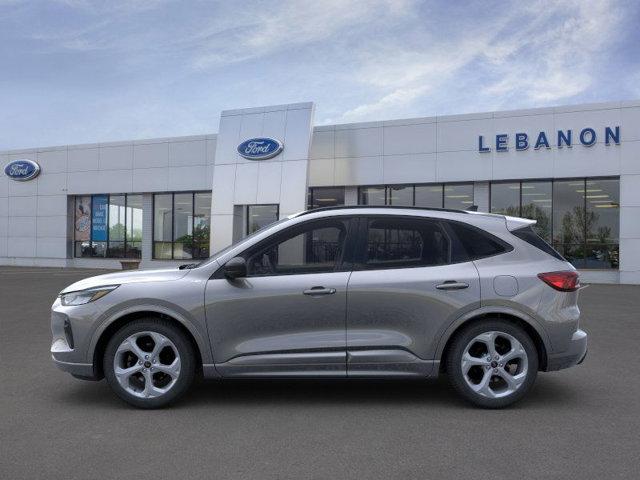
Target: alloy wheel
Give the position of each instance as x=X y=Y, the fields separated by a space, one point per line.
x=147 y=364
x=494 y=364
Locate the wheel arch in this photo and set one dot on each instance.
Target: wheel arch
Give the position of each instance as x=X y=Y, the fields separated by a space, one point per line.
x=116 y=323
x=534 y=331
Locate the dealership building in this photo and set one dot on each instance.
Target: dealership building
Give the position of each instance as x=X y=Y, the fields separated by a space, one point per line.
x=166 y=201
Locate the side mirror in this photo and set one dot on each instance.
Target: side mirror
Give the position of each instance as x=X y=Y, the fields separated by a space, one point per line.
x=235 y=268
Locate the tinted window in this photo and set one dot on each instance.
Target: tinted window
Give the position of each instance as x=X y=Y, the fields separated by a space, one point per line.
x=313 y=248
x=403 y=242
x=528 y=235
x=474 y=243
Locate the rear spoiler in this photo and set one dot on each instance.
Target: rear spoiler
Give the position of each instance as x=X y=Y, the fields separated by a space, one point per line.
x=514 y=223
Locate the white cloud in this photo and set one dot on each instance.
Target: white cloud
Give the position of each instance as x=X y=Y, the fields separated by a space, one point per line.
x=253 y=33
x=555 y=63
x=544 y=52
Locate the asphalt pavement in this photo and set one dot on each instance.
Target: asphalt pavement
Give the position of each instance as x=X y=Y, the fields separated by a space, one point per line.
x=581 y=423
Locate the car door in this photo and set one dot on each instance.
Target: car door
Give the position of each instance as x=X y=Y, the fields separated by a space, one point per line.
x=287 y=317
x=403 y=293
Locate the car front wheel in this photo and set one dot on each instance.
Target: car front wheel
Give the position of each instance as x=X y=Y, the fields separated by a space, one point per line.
x=492 y=363
x=149 y=363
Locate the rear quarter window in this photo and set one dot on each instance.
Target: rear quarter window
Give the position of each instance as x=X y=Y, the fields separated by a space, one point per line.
x=473 y=243
x=531 y=237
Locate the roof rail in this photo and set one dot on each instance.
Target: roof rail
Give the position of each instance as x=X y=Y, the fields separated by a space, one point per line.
x=390 y=207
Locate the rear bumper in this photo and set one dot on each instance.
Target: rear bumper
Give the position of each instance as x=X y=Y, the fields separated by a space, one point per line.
x=574 y=355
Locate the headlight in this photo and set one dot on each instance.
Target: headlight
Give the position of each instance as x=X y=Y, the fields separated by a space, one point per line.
x=85 y=296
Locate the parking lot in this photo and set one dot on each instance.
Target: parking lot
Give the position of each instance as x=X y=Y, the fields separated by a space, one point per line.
x=580 y=423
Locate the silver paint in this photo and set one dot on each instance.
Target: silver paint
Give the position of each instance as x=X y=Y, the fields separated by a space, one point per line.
x=391 y=323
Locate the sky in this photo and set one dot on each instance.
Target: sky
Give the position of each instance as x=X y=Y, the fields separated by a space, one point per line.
x=80 y=71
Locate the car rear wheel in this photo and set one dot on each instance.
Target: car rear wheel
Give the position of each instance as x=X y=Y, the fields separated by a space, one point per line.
x=149 y=363
x=492 y=363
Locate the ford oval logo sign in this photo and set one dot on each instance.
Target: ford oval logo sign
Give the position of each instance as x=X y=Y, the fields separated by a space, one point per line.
x=260 y=148
x=22 y=170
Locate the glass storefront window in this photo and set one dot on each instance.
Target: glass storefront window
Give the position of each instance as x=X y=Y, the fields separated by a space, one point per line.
x=400 y=196
x=181 y=225
x=569 y=220
x=505 y=198
x=536 y=203
x=108 y=226
x=429 y=196
x=603 y=223
x=116 y=225
x=162 y=225
x=325 y=197
x=134 y=226
x=458 y=196
x=201 y=224
x=579 y=217
x=371 y=196
x=259 y=216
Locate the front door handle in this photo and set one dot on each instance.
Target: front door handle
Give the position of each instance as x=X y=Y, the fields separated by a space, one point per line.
x=452 y=285
x=314 y=291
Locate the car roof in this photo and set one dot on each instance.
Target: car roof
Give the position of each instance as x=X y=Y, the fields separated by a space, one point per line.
x=469 y=216
x=381 y=207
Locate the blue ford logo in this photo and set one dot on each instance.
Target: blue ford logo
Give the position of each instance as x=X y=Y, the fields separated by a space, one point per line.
x=260 y=148
x=22 y=170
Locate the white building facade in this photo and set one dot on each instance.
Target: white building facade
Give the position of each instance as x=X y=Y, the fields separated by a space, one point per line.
x=168 y=201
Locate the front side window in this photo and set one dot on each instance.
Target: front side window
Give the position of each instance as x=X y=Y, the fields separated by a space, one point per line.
x=313 y=248
x=405 y=242
x=108 y=226
x=181 y=225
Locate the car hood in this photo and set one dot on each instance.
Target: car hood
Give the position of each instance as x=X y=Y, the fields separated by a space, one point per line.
x=136 y=276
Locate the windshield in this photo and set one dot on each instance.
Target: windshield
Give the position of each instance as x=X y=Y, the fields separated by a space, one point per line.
x=240 y=242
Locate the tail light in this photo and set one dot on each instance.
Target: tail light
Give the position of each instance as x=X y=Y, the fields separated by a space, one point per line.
x=568 y=281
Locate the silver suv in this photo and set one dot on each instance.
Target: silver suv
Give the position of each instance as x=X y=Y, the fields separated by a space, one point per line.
x=337 y=292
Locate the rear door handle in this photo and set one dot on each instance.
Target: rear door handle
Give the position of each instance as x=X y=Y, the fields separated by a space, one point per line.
x=316 y=291
x=452 y=285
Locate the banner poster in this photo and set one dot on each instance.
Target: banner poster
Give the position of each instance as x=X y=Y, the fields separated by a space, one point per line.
x=99 y=218
x=83 y=219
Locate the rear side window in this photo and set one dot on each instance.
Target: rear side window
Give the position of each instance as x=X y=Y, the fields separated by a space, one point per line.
x=473 y=243
x=531 y=237
x=404 y=243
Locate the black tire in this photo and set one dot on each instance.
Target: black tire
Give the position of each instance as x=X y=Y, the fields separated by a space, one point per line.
x=458 y=346
x=180 y=341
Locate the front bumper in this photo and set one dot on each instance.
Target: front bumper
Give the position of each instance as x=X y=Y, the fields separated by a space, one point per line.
x=70 y=331
x=574 y=355
x=83 y=371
